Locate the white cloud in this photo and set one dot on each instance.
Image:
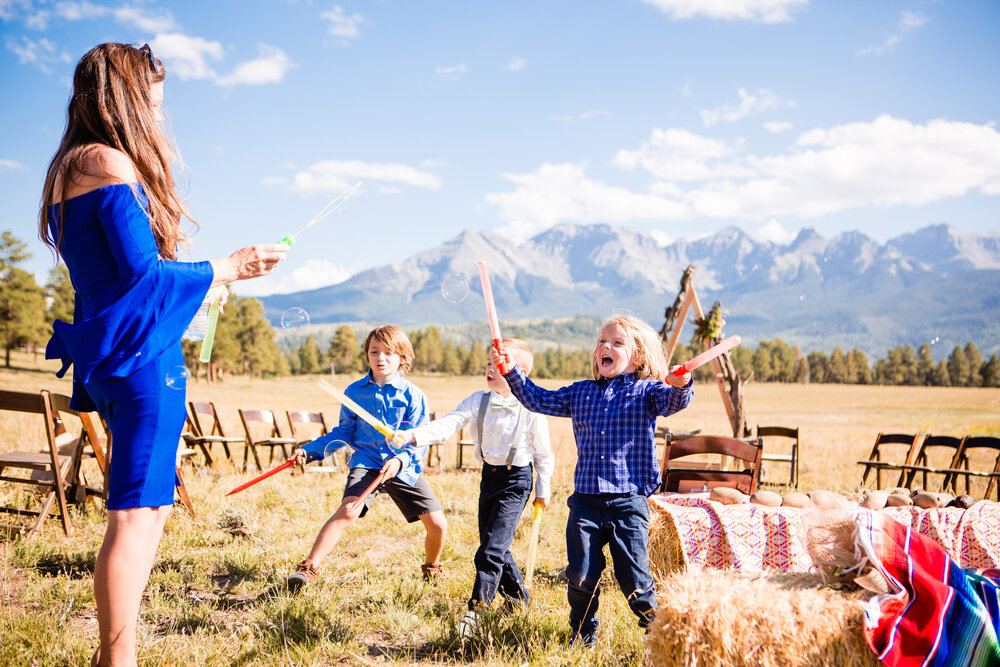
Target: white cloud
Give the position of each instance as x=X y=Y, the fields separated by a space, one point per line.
x=273 y=181
x=761 y=11
x=777 y=126
x=187 y=57
x=585 y=115
x=454 y=72
x=562 y=193
x=313 y=274
x=515 y=64
x=885 y=162
x=341 y=25
x=8 y=8
x=762 y=100
x=38 y=21
x=679 y=155
x=145 y=20
x=10 y=165
x=773 y=232
x=341 y=175
x=908 y=22
x=269 y=67
x=40 y=53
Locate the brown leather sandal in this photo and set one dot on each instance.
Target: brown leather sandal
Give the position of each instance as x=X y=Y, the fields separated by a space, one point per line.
x=432 y=571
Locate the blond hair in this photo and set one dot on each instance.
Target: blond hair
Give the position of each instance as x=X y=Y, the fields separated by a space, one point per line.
x=521 y=353
x=650 y=359
x=396 y=340
x=111 y=106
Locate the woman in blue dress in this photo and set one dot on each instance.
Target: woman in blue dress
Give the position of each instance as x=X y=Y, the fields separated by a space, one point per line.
x=110 y=209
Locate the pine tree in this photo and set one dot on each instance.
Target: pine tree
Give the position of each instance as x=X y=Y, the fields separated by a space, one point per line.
x=991 y=372
x=817 y=366
x=838 y=367
x=451 y=363
x=942 y=377
x=345 y=351
x=309 y=357
x=958 y=367
x=257 y=350
x=22 y=311
x=926 y=365
x=60 y=295
x=975 y=361
x=429 y=350
x=476 y=360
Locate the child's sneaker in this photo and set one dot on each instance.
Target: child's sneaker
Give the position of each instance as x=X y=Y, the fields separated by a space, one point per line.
x=587 y=640
x=431 y=571
x=304 y=574
x=468 y=624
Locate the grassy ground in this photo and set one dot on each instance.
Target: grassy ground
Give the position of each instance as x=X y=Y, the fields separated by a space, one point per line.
x=217 y=596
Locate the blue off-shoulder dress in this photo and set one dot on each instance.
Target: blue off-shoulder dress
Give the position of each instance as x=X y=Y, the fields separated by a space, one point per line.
x=124 y=343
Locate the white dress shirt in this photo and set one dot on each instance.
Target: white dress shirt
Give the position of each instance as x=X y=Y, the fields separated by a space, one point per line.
x=499 y=425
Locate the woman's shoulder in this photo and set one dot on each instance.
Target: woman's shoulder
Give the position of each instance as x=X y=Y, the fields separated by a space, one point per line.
x=96 y=166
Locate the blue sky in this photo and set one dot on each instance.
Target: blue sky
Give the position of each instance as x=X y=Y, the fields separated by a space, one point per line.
x=677 y=117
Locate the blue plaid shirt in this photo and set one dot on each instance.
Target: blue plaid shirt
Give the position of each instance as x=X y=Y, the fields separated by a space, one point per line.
x=395 y=402
x=614 y=425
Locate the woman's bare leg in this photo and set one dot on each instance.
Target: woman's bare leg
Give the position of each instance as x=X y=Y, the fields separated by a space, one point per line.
x=120 y=576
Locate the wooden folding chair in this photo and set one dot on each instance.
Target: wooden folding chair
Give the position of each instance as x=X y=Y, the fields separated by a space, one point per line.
x=792 y=458
x=305 y=427
x=891 y=452
x=256 y=422
x=206 y=431
x=963 y=467
x=943 y=448
x=686 y=476
x=55 y=469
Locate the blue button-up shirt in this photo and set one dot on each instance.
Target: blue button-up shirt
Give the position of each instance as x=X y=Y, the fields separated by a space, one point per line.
x=399 y=404
x=614 y=424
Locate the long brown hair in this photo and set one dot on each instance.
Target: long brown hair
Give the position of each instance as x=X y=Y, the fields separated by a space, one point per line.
x=111 y=106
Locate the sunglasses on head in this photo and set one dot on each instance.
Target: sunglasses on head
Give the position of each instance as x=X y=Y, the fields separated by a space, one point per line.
x=149 y=56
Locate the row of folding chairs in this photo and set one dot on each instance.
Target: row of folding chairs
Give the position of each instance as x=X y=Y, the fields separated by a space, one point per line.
x=952 y=458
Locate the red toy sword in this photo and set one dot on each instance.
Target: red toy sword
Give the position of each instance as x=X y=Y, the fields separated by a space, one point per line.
x=356 y=505
x=707 y=355
x=273 y=471
x=491 y=309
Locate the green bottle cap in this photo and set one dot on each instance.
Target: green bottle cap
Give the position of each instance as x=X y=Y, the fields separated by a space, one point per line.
x=287 y=240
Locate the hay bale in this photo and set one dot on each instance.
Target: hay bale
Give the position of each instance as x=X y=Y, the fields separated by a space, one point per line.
x=722 y=617
x=666 y=554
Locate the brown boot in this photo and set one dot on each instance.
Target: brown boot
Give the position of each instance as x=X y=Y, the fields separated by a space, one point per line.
x=304 y=574
x=432 y=571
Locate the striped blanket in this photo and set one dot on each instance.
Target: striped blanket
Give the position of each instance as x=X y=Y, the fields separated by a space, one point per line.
x=935 y=614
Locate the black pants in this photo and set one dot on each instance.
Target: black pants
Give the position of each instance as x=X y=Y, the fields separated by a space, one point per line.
x=503 y=494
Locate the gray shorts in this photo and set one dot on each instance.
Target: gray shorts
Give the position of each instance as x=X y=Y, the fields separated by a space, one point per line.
x=412 y=501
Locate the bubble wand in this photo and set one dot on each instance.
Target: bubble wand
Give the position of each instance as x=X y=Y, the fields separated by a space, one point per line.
x=491 y=308
x=336 y=204
x=708 y=355
x=536 y=525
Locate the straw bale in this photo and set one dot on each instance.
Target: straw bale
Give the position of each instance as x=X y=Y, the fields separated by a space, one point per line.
x=732 y=619
x=666 y=554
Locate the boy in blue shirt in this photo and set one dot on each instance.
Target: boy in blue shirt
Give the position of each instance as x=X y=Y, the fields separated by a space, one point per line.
x=509 y=439
x=614 y=418
x=386 y=394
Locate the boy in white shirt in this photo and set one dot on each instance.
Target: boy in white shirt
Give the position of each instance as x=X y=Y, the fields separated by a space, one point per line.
x=509 y=439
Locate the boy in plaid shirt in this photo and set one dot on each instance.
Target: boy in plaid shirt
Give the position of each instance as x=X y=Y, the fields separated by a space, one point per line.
x=614 y=417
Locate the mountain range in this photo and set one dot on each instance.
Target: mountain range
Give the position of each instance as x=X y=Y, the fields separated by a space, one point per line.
x=936 y=285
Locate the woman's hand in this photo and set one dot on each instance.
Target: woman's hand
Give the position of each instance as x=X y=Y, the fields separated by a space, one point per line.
x=249 y=262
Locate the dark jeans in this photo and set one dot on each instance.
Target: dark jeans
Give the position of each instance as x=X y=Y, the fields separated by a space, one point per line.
x=503 y=494
x=622 y=522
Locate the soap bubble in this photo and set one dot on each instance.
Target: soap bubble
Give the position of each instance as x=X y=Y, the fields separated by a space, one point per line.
x=334 y=449
x=513 y=245
x=404 y=426
x=177 y=377
x=454 y=288
x=294 y=317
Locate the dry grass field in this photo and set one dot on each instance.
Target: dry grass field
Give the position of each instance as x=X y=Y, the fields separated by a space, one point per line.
x=217 y=595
